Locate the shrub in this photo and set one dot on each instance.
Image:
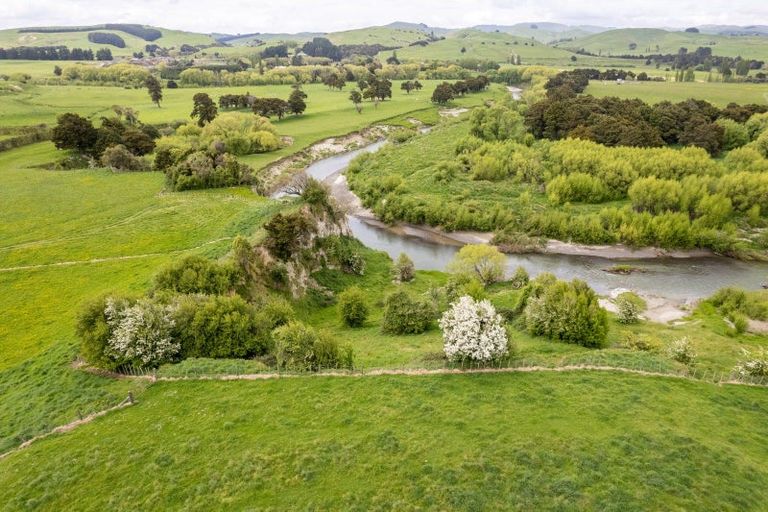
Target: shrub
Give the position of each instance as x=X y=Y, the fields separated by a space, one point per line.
x=94 y=330
x=275 y=312
x=300 y=348
x=353 y=307
x=682 y=351
x=118 y=158
x=629 y=305
x=241 y=134
x=459 y=285
x=482 y=261
x=641 y=342
x=219 y=327
x=754 y=365
x=519 y=279
x=196 y=274
x=740 y=322
x=140 y=334
x=568 y=312
x=404 y=270
x=473 y=331
x=404 y=314
x=735 y=134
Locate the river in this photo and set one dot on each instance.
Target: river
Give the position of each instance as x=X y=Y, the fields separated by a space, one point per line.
x=675 y=279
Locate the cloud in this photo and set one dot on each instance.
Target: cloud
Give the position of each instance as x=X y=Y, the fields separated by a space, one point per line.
x=240 y=16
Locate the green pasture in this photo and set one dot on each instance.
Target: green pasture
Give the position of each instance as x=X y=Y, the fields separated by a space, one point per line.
x=170 y=39
x=566 y=441
x=717 y=93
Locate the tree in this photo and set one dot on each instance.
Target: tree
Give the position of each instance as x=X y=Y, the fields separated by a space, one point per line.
x=472 y=330
x=357 y=99
x=407 y=86
x=296 y=103
x=482 y=261
x=443 y=93
x=404 y=314
x=629 y=306
x=563 y=311
x=299 y=347
x=57 y=70
x=74 y=132
x=104 y=54
x=204 y=109
x=403 y=269
x=352 y=307
x=154 y=89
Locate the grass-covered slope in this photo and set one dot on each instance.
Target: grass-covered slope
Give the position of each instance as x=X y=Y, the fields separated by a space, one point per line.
x=717 y=93
x=169 y=39
x=69 y=236
x=570 y=441
x=653 y=40
x=495 y=46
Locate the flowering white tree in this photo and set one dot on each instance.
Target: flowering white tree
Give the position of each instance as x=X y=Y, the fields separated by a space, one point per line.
x=473 y=330
x=141 y=333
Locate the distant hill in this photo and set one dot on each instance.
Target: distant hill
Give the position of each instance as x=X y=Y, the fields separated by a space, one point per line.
x=543 y=32
x=735 y=30
x=77 y=37
x=643 y=41
x=496 y=46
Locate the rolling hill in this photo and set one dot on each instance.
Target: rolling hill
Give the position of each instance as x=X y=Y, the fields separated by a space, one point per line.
x=542 y=31
x=496 y=46
x=77 y=37
x=644 y=41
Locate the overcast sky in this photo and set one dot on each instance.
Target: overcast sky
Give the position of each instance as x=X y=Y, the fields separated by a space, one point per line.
x=243 y=16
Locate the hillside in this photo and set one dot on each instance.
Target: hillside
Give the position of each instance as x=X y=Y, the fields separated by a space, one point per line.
x=538 y=441
x=387 y=36
x=643 y=41
x=496 y=46
x=50 y=36
x=543 y=32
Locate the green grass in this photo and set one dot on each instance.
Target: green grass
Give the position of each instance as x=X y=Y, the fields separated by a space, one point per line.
x=568 y=441
x=52 y=217
x=654 y=92
x=170 y=39
x=329 y=113
x=498 y=47
x=386 y=36
x=652 y=41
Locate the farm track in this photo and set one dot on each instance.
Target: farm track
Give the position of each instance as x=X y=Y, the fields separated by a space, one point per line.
x=414 y=372
x=112 y=258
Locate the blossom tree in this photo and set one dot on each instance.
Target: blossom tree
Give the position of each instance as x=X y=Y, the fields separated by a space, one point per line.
x=473 y=330
x=141 y=333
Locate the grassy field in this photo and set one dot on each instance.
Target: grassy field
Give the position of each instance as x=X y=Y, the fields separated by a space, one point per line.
x=474 y=442
x=653 y=92
x=125 y=222
x=499 y=47
x=170 y=39
x=329 y=113
x=652 y=40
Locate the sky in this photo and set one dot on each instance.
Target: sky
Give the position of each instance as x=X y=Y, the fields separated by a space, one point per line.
x=245 y=16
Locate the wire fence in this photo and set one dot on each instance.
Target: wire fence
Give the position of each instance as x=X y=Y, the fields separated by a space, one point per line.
x=504 y=365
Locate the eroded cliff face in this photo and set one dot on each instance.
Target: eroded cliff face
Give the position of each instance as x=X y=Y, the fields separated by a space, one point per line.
x=299 y=245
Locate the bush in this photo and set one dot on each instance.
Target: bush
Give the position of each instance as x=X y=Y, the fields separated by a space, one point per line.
x=519 y=279
x=682 y=351
x=482 y=261
x=473 y=331
x=404 y=314
x=219 y=327
x=141 y=334
x=118 y=158
x=353 y=307
x=459 y=285
x=568 y=312
x=629 y=305
x=196 y=274
x=740 y=322
x=300 y=348
x=641 y=342
x=94 y=330
x=754 y=365
x=404 y=270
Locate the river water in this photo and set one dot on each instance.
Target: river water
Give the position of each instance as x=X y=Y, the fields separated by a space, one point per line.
x=676 y=279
